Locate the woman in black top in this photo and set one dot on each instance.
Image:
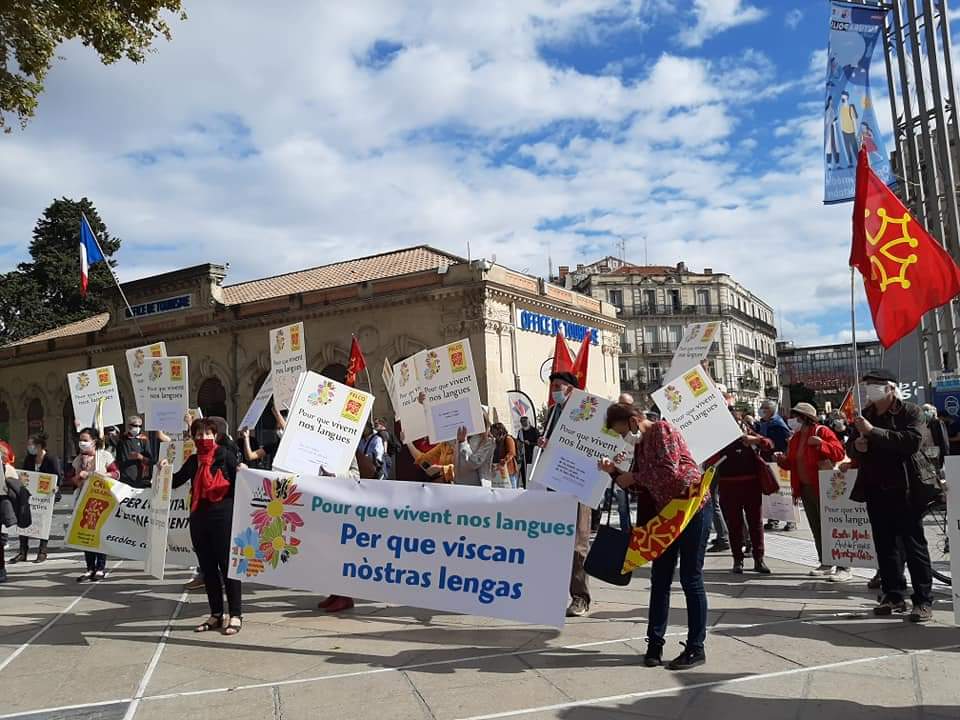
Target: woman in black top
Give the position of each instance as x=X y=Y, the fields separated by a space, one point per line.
x=41 y=461
x=212 y=472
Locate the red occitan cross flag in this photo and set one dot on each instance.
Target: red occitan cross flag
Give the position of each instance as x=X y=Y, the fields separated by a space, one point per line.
x=356 y=364
x=562 y=362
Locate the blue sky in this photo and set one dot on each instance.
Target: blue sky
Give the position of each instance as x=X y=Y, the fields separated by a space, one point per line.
x=528 y=128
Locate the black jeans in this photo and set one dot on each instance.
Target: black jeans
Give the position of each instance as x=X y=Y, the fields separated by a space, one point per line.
x=210 y=533
x=96 y=562
x=893 y=518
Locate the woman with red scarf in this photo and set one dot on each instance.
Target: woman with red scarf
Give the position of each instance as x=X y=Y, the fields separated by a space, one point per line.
x=212 y=470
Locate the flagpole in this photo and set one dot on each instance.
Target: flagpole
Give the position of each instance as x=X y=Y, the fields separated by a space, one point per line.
x=853 y=333
x=116 y=280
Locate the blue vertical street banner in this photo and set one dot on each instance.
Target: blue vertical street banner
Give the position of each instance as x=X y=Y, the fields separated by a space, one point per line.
x=849 y=120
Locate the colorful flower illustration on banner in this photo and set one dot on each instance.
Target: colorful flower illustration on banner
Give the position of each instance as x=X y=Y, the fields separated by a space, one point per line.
x=156 y=370
x=277 y=547
x=278 y=497
x=404 y=374
x=247 y=557
x=432 y=363
x=138 y=357
x=278 y=341
x=838 y=487
x=585 y=410
x=82 y=381
x=323 y=395
x=674 y=398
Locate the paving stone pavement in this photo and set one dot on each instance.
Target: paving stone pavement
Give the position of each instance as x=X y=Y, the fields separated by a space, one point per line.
x=782 y=646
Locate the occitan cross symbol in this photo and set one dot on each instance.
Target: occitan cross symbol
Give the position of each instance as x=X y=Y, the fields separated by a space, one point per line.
x=879 y=271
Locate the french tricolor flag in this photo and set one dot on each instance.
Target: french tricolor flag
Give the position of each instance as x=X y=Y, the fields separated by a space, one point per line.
x=90 y=253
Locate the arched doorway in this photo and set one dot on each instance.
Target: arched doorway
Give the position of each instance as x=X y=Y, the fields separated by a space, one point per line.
x=34 y=417
x=335 y=371
x=4 y=422
x=212 y=398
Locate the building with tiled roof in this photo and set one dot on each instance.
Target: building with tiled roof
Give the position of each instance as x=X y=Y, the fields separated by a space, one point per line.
x=397 y=303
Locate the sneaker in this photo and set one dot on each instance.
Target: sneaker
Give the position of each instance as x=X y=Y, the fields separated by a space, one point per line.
x=822 y=571
x=718 y=546
x=654 y=655
x=689 y=658
x=196 y=583
x=340 y=604
x=759 y=566
x=737 y=567
x=99 y=575
x=888 y=606
x=921 y=613
x=842 y=575
x=86 y=577
x=578 y=608
x=874 y=583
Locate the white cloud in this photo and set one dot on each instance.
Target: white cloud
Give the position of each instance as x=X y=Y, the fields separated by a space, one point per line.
x=793 y=18
x=715 y=16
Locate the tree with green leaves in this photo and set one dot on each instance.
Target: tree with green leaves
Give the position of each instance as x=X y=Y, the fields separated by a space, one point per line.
x=31 y=31
x=45 y=292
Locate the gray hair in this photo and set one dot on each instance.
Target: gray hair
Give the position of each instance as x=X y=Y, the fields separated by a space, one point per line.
x=770 y=404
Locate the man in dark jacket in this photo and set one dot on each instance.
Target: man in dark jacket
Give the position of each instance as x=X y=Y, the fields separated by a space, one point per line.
x=894 y=474
x=133 y=455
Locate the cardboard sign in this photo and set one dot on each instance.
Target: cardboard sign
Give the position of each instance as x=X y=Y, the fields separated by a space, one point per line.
x=846 y=534
x=495 y=553
x=580 y=439
x=168 y=394
x=780 y=506
x=693 y=348
x=324 y=426
x=259 y=404
x=694 y=404
x=90 y=388
x=448 y=378
x=43 y=495
x=138 y=363
x=407 y=389
x=288 y=360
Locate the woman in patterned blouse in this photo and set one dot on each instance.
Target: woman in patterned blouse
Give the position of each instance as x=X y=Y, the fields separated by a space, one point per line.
x=663 y=470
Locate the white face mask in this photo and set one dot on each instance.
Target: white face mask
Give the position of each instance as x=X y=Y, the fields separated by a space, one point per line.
x=795 y=424
x=86 y=445
x=875 y=393
x=31 y=450
x=559 y=397
x=634 y=437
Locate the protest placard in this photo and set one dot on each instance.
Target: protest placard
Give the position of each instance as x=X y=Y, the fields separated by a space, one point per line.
x=90 y=388
x=259 y=404
x=324 y=426
x=386 y=374
x=694 y=404
x=580 y=438
x=496 y=553
x=951 y=469
x=520 y=406
x=158 y=522
x=407 y=389
x=846 y=535
x=43 y=495
x=693 y=348
x=168 y=390
x=138 y=364
x=288 y=360
x=780 y=505
x=449 y=380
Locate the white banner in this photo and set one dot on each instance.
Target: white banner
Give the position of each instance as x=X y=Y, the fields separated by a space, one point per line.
x=259 y=404
x=495 y=553
x=409 y=409
x=780 y=505
x=448 y=377
x=168 y=394
x=288 y=359
x=138 y=363
x=846 y=534
x=580 y=438
x=87 y=388
x=43 y=495
x=693 y=348
x=694 y=404
x=324 y=426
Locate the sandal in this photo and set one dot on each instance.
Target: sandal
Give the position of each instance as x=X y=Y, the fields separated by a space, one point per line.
x=214 y=622
x=233 y=628
x=41 y=557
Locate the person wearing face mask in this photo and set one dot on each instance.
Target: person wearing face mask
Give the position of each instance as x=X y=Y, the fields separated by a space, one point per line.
x=813 y=447
x=133 y=454
x=212 y=473
x=937 y=446
x=662 y=471
x=41 y=461
x=775 y=429
x=93 y=458
x=473 y=462
x=262 y=457
x=505 y=467
x=895 y=479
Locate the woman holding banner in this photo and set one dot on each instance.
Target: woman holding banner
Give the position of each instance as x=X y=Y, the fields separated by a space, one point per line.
x=40 y=461
x=212 y=472
x=662 y=471
x=93 y=459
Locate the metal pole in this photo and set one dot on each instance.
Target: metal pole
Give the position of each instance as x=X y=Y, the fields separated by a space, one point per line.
x=853 y=335
x=116 y=280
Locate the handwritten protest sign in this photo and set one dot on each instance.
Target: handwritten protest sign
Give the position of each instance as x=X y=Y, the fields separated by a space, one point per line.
x=168 y=390
x=694 y=404
x=693 y=348
x=43 y=494
x=88 y=388
x=138 y=363
x=288 y=359
x=780 y=505
x=846 y=535
x=580 y=438
x=259 y=404
x=407 y=389
x=496 y=553
x=324 y=426
x=449 y=380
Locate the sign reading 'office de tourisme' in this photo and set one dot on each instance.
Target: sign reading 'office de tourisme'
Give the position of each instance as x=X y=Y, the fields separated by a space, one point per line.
x=546 y=325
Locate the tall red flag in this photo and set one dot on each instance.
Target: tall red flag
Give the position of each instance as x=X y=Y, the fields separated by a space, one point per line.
x=581 y=362
x=906 y=272
x=356 y=364
x=848 y=408
x=562 y=362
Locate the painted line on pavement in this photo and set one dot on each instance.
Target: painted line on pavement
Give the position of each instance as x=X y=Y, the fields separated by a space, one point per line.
x=700 y=686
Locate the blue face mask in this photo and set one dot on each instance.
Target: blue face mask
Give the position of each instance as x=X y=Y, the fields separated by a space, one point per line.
x=559 y=396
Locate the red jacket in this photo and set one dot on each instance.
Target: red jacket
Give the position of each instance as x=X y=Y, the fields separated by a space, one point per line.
x=830 y=451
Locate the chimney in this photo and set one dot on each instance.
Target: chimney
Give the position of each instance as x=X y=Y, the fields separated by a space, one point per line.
x=708 y=271
x=564 y=270
x=681 y=267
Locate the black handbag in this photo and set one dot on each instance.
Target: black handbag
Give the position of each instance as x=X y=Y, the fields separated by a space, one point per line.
x=609 y=550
